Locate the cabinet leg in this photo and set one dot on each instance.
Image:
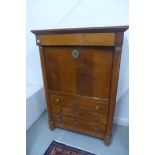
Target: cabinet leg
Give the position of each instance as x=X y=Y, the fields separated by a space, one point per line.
x=51 y=125
x=107 y=140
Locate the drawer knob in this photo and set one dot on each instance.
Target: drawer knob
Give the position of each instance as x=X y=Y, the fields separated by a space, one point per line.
x=59 y=120
x=96 y=118
x=95 y=128
x=97 y=107
x=76 y=103
x=58 y=110
x=57 y=100
x=77 y=113
x=75 y=54
x=77 y=122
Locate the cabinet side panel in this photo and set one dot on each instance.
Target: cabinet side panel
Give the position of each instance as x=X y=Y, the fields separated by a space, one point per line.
x=114 y=82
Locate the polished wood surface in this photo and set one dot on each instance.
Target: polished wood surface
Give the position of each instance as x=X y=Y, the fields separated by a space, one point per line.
x=114 y=82
x=79 y=114
x=44 y=73
x=88 y=75
x=86 y=39
x=94 y=105
x=80 y=72
x=79 y=125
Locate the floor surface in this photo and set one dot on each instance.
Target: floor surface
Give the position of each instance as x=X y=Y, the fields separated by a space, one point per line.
x=39 y=137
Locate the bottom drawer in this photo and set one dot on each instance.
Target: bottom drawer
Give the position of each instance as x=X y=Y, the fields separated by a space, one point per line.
x=81 y=126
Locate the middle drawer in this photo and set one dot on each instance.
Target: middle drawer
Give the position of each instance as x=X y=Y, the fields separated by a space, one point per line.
x=79 y=102
x=81 y=114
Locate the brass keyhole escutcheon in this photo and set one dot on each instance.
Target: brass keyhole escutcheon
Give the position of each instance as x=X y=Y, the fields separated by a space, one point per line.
x=75 y=54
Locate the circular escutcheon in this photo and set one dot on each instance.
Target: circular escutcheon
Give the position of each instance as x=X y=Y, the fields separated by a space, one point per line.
x=75 y=53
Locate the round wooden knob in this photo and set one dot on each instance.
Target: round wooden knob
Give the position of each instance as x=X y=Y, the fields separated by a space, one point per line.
x=57 y=100
x=95 y=128
x=97 y=107
x=96 y=118
x=77 y=113
x=76 y=103
x=77 y=122
x=59 y=119
x=58 y=110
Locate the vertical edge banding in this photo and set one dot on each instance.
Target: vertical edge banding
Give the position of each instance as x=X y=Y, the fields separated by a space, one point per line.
x=114 y=83
x=43 y=65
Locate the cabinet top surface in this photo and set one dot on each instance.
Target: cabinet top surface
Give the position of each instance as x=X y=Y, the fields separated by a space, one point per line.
x=109 y=29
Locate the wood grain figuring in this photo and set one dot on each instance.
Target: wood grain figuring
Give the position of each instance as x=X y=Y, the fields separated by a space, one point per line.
x=79 y=125
x=53 y=70
x=80 y=71
x=84 y=39
x=85 y=69
x=88 y=75
x=79 y=114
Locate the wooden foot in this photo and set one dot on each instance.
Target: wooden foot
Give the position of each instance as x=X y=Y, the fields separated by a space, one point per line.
x=51 y=125
x=107 y=140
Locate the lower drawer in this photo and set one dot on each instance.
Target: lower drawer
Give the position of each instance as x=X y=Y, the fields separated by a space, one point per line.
x=85 y=127
x=79 y=114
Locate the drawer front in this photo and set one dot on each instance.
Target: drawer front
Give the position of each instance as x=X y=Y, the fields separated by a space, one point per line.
x=85 y=71
x=79 y=126
x=94 y=105
x=82 y=39
x=80 y=114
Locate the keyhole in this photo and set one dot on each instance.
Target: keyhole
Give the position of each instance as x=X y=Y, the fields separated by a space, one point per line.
x=75 y=53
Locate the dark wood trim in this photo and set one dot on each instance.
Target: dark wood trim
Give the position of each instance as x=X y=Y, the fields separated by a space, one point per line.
x=114 y=83
x=82 y=30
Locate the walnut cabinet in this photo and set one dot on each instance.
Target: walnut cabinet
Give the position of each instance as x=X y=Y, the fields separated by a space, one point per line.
x=80 y=71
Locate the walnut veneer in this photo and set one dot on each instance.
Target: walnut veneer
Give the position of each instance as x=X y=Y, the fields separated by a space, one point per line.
x=80 y=72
